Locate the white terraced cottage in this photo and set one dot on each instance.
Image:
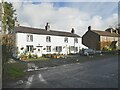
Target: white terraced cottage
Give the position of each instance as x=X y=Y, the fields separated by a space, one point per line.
x=45 y=41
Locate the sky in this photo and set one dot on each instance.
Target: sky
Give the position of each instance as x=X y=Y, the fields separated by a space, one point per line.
x=63 y=16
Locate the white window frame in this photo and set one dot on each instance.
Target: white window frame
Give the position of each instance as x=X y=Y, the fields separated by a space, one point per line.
x=29 y=38
x=58 y=48
x=76 y=49
x=48 y=48
x=29 y=48
x=72 y=48
x=76 y=40
x=66 y=40
x=48 y=39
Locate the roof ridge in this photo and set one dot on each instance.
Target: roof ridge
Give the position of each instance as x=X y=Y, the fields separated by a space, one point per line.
x=24 y=29
x=105 y=33
x=44 y=29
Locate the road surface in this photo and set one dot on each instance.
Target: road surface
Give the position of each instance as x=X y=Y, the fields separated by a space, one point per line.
x=92 y=74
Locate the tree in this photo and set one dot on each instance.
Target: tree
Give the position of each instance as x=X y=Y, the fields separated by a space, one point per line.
x=7 y=31
x=8 y=18
x=0 y=11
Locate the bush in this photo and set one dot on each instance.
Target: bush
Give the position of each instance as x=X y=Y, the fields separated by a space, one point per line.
x=23 y=57
x=43 y=55
x=35 y=56
x=107 y=49
x=30 y=56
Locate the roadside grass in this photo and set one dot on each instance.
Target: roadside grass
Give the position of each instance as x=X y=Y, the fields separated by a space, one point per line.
x=14 y=70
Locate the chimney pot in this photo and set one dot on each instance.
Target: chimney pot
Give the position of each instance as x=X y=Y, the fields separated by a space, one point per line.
x=47 y=27
x=72 y=31
x=89 y=27
x=111 y=30
x=116 y=31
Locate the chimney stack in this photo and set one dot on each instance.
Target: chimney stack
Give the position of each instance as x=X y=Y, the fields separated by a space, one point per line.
x=109 y=30
x=47 y=27
x=89 y=28
x=116 y=31
x=73 y=31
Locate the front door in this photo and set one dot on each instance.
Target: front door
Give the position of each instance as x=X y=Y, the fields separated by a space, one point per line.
x=39 y=51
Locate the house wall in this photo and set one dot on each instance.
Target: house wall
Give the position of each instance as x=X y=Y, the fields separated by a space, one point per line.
x=109 y=39
x=91 y=40
x=40 y=40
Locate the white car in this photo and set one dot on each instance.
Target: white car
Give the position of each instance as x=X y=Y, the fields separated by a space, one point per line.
x=88 y=52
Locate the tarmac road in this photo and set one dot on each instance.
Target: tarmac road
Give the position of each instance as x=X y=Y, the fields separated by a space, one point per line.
x=92 y=74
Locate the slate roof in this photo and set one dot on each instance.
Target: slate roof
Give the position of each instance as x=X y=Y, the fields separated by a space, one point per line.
x=106 y=33
x=22 y=29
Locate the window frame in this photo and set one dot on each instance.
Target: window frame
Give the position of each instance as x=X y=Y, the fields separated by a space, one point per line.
x=48 y=48
x=66 y=40
x=29 y=38
x=58 y=48
x=76 y=40
x=30 y=48
x=48 y=39
x=72 y=48
x=76 y=49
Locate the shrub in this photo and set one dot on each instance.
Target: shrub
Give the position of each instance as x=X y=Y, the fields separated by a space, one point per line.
x=23 y=57
x=35 y=56
x=29 y=56
x=43 y=55
x=107 y=48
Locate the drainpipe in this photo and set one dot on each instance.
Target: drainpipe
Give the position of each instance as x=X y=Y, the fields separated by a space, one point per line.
x=74 y=45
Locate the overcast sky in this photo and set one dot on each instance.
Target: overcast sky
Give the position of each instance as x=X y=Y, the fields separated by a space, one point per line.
x=63 y=16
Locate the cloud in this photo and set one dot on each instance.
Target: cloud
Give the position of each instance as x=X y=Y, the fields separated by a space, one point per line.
x=61 y=18
x=62 y=0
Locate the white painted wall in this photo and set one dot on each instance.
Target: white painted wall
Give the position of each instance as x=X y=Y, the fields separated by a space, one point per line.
x=21 y=41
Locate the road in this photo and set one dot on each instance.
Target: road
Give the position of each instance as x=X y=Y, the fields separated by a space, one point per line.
x=92 y=74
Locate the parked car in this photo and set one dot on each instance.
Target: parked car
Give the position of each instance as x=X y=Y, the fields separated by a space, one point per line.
x=87 y=52
x=98 y=52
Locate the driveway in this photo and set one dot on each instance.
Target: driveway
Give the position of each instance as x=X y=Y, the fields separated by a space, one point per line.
x=93 y=74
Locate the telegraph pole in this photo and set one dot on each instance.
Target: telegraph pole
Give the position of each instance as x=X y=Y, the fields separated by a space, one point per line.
x=2 y=29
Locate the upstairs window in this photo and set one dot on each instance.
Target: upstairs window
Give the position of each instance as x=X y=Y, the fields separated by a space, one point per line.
x=29 y=38
x=76 y=40
x=66 y=40
x=48 y=39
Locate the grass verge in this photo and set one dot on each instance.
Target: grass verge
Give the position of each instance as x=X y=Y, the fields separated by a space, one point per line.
x=13 y=70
